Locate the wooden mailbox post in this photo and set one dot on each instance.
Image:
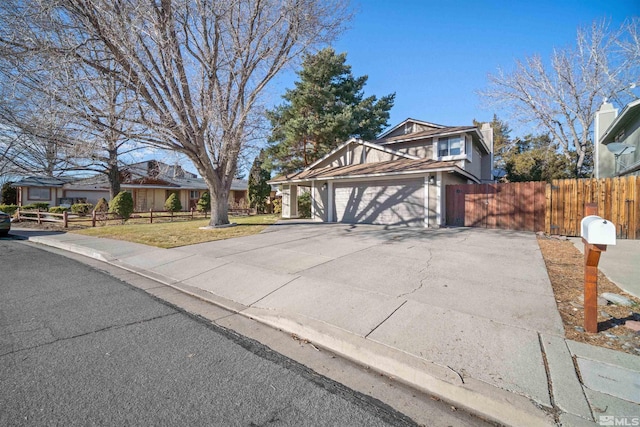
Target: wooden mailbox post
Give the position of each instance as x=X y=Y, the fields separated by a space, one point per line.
x=596 y=233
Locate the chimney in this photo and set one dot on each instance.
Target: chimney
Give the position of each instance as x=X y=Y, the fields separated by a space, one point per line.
x=487 y=134
x=153 y=169
x=605 y=163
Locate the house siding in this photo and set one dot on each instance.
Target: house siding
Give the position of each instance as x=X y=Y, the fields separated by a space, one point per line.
x=632 y=137
x=319 y=201
x=473 y=166
x=92 y=196
x=54 y=194
x=422 y=148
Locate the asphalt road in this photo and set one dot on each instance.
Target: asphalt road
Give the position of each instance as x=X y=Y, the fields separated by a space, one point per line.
x=79 y=347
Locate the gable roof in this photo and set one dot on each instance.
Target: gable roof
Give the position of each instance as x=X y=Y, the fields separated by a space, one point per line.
x=363 y=170
x=41 y=181
x=360 y=142
x=420 y=122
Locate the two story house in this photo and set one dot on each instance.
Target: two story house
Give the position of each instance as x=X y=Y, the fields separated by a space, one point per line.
x=396 y=179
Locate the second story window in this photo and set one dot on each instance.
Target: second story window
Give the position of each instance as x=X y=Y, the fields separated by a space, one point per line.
x=450 y=146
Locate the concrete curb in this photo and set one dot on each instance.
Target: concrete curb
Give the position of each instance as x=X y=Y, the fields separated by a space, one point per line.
x=478 y=397
x=70 y=247
x=475 y=396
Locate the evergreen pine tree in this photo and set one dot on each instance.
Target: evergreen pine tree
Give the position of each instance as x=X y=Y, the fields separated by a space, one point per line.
x=259 y=190
x=326 y=107
x=172 y=204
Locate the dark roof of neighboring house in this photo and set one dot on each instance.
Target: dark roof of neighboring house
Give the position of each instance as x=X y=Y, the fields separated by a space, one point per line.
x=163 y=170
x=41 y=181
x=424 y=134
x=363 y=169
x=100 y=181
x=133 y=176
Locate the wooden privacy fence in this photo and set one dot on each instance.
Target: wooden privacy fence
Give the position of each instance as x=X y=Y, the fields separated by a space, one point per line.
x=514 y=206
x=556 y=207
x=618 y=200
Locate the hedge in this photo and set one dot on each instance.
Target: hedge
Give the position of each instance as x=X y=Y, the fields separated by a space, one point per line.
x=81 y=208
x=58 y=209
x=8 y=209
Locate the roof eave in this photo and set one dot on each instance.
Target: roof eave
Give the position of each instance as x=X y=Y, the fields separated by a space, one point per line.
x=452 y=168
x=614 y=127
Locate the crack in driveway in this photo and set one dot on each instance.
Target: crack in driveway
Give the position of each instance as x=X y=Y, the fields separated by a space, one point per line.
x=422 y=271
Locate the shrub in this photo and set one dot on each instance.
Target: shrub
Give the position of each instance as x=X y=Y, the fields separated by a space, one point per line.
x=102 y=205
x=304 y=205
x=172 y=204
x=122 y=205
x=277 y=206
x=37 y=205
x=8 y=194
x=58 y=209
x=204 y=202
x=81 y=208
x=8 y=209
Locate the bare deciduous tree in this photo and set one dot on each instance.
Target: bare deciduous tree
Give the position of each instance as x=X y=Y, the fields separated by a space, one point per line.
x=84 y=127
x=198 y=68
x=562 y=97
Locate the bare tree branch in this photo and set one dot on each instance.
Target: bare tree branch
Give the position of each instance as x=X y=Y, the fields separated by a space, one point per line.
x=562 y=97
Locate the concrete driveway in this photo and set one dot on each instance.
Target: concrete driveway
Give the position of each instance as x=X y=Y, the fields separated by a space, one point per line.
x=494 y=275
x=471 y=300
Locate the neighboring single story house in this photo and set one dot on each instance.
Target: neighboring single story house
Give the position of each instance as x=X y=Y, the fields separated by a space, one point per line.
x=399 y=178
x=150 y=183
x=617 y=136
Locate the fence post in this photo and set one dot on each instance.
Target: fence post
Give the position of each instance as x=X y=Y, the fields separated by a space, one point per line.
x=151 y=216
x=38 y=215
x=65 y=219
x=93 y=218
x=192 y=214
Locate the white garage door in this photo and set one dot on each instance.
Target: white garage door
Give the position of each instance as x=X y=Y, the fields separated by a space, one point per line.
x=396 y=203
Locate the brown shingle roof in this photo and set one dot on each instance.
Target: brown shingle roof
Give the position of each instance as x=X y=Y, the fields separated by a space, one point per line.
x=390 y=166
x=424 y=134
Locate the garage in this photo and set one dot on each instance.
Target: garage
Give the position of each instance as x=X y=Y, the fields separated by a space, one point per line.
x=397 y=202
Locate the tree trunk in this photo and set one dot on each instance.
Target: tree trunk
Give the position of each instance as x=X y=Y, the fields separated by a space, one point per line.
x=113 y=172
x=220 y=209
x=219 y=199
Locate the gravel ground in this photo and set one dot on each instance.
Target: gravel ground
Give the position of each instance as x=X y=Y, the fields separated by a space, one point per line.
x=565 y=265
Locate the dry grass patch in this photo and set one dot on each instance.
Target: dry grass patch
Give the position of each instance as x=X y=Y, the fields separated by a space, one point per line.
x=174 y=234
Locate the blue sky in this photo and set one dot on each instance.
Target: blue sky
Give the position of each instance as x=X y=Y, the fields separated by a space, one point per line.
x=435 y=55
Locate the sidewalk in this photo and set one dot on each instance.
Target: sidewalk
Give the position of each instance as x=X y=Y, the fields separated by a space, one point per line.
x=467 y=315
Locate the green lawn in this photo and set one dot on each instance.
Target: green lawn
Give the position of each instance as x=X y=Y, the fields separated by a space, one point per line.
x=173 y=234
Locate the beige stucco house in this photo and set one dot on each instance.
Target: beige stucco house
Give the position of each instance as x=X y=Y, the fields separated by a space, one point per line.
x=150 y=183
x=397 y=179
x=617 y=137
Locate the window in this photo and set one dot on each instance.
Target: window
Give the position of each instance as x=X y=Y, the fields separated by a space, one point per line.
x=450 y=146
x=39 y=193
x=194 y=194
